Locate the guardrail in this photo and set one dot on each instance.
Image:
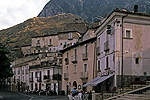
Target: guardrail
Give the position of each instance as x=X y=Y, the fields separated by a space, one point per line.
x=120 y=92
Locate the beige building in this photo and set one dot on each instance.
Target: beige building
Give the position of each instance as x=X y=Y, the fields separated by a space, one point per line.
x=123 y=54
x=78 y=63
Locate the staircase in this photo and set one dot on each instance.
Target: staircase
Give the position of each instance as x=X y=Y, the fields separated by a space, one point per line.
x=138 y=94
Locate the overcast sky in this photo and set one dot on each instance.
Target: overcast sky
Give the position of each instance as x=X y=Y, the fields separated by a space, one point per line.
x=13 y=12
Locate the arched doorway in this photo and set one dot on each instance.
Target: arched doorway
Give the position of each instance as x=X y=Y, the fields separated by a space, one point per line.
x=75 y=84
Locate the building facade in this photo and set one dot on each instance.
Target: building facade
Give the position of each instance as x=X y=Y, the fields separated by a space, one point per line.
x=123 y=49
x=41 y=66
x=79 y=63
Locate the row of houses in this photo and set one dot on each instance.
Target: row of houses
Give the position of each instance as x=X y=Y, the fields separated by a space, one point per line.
x=113 y=54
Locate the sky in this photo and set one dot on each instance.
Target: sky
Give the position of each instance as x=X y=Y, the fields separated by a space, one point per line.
x=13 y=12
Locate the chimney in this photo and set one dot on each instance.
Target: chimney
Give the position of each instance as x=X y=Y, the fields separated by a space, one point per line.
x=117 y=8
x=135 y=8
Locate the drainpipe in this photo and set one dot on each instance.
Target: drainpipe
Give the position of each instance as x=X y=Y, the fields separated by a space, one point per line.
x=122 y=52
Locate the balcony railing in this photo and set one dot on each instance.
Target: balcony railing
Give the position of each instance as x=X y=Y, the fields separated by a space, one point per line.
x=84 y=75
x=84 y=56
x=46 y=77
x=66 y=76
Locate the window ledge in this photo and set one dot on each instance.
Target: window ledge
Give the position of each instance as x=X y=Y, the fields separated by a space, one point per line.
x=127 y=38
x=74 y=72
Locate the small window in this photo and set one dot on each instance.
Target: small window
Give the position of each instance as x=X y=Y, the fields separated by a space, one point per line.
x=70 y=35
x=137 y=60
x=128 y=33
x=38 y=42
x=50 y=42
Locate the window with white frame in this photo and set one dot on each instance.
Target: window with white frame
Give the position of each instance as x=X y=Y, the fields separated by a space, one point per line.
x=70 y=35
x=128 y=33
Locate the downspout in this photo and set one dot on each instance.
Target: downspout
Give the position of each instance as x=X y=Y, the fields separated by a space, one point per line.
x=122 y=52
x=94 y=60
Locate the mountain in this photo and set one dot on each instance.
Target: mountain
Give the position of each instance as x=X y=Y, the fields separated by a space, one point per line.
x=91 y=9
x=21 y=34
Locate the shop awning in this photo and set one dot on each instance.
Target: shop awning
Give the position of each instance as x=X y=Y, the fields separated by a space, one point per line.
x=97 y=80
x=101 y=79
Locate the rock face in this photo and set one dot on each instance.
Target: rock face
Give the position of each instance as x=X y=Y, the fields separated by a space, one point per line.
x=91 y=9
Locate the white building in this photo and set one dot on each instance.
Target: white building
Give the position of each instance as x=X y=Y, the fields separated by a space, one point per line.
x=123 y=50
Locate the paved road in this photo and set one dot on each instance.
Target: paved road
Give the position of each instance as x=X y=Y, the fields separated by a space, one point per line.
x=21 y=96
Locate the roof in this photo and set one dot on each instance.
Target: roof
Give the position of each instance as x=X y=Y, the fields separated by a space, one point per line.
x=79 y=43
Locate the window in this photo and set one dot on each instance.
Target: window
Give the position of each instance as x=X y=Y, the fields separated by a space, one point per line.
x=70 y=35
x=85 y=68
x=38 y=42
x=107 y=62
x=86 y=51
x=67 y=55
x=75 y=68
x=98 y=66
x=128 y=33
x=48 y=73
x=66 y=69
x=36 y=74
x=50 y=42
x=75 y=54
x=136 y=60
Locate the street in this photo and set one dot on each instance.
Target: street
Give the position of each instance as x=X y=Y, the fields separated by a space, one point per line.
x=7 y=95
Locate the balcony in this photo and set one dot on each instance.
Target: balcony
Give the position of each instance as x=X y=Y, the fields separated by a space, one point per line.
x=73 y=59
x=84 y=56
x=84 y=75
x=106 y=46
x=39 y=79
x=45 y=77
x=66 y=76
x=98 y=50
x=31 y=79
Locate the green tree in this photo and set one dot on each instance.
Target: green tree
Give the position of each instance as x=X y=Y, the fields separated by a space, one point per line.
x=5 y=69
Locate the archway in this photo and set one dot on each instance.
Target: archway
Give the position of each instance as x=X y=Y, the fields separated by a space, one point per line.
x=75 y=84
